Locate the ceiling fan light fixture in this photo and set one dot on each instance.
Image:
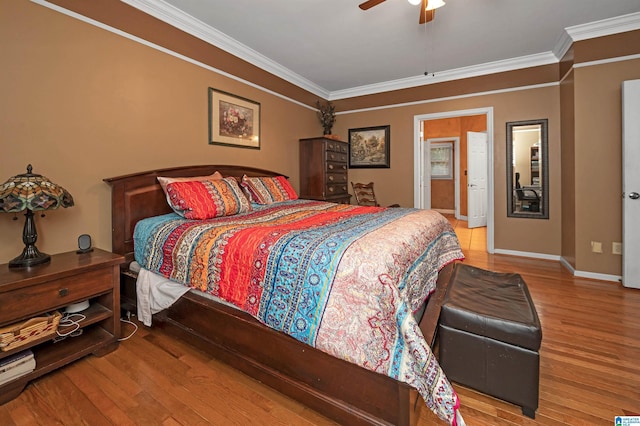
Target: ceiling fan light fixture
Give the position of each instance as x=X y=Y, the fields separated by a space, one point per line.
x=434 y=4
x=415 y=2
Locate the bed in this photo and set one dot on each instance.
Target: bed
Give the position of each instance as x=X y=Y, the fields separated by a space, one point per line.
x=338 y=389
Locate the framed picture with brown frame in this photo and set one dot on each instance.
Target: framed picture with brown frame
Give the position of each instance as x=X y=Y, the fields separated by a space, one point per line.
x=369 y=147
x=233 y=120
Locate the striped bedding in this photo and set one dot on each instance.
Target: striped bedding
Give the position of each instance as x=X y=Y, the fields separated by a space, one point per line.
x=343 y=279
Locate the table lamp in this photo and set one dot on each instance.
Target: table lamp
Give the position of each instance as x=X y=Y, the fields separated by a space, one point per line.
x=31 y=192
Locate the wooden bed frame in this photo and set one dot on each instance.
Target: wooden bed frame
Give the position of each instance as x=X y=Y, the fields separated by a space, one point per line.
x=342 y=391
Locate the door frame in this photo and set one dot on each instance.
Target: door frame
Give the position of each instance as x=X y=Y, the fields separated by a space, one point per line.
x=456 y=169
x=422 y=173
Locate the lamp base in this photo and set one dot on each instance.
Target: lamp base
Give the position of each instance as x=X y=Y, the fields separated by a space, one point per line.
x=30 y=256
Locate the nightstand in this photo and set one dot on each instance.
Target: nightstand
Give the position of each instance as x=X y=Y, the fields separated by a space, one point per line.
x=68 y=278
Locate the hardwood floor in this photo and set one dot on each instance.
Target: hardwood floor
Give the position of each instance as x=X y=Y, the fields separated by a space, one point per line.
x=590 y=368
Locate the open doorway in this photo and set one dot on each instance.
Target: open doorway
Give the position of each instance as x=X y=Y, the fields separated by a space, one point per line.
x=423 y=166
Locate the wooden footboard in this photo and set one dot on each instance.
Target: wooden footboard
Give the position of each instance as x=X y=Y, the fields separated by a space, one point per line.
x=335 y=388
x=342 y=391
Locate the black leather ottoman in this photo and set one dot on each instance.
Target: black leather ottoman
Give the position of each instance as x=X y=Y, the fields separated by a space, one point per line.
x=490 y=335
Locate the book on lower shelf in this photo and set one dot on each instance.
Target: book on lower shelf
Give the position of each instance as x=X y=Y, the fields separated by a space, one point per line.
x=16 y=365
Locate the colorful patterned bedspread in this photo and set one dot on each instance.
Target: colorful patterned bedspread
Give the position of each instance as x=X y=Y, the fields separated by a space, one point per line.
x=343 y=279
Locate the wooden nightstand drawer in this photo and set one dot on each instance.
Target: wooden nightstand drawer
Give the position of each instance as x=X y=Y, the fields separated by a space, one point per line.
x=53 y=294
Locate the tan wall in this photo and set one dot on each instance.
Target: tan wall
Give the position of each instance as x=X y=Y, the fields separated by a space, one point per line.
x=395 y=185
x=82 y=104
x=598 y=162
x=443 y=193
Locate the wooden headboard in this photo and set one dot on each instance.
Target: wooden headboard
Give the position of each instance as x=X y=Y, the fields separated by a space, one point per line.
x=139 y=195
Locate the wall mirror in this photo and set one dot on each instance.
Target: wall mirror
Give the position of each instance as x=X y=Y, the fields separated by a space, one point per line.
x=528 y=169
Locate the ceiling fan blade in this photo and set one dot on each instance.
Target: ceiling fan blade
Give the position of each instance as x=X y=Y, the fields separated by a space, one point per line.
x=426 y=15
x=369 y=4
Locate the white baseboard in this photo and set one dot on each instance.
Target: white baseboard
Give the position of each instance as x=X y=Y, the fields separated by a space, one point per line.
x=563 y=262
x=598 y=276
x=567 y=265
x=591 y=275
x=528 y=254
x=445 y=211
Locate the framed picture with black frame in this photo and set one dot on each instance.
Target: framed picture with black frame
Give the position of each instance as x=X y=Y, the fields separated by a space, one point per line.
x=369 y=147
x=233 y=120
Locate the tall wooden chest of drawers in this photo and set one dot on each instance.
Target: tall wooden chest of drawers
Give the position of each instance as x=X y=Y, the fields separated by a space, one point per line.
x=323 y=170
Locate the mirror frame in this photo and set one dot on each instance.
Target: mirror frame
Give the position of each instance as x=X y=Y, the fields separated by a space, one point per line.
x=544 y=163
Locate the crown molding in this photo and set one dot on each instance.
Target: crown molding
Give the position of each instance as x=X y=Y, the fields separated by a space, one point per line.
x=562 y=45
x=455 y=74
x=179 y=19
x=184 y=22
x=448 y=98
x=596 y=29
x=605 y=27
x=187 y=23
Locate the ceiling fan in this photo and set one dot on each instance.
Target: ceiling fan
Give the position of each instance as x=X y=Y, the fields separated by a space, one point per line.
x=427 y=7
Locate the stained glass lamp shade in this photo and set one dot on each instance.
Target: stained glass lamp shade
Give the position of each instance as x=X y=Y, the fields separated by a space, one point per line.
x=31 y=192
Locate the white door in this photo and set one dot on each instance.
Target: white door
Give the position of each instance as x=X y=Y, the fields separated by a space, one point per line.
x=476 y=179
x=630 y=183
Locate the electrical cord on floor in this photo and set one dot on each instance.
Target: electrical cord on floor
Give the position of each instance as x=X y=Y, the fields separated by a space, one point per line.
x=128 y=321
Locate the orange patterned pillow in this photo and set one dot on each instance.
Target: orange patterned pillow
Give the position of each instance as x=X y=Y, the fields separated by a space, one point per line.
x=206 y=199
x=268 y=190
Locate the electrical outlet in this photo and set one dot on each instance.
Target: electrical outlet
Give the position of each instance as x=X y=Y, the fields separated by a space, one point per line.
x=596 y=246
x=616 y=248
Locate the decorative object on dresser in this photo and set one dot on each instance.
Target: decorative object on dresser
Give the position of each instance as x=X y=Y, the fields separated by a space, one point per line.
x=323 y=170
x=233 y=120
x=31 y=192
x=369 y=147
x=27 y=295
x=327 y=117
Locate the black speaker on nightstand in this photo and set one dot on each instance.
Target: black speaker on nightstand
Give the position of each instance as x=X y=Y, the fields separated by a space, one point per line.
x=84 y=243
